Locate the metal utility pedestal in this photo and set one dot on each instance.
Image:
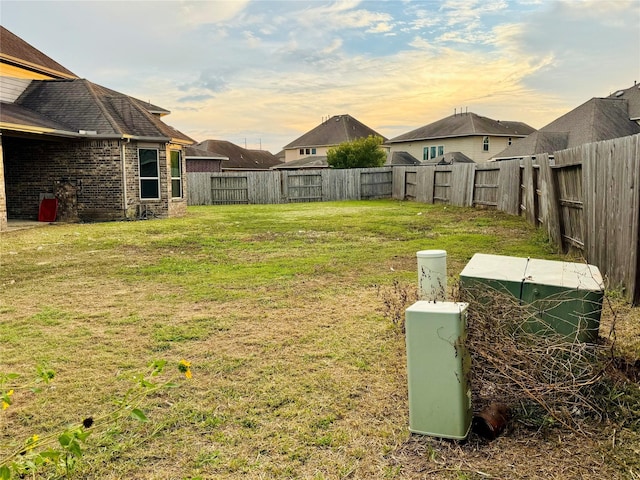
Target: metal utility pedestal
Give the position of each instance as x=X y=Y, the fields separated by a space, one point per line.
x=438 y=365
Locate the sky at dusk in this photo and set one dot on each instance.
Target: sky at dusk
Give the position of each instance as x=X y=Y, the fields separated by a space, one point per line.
x=261 y=73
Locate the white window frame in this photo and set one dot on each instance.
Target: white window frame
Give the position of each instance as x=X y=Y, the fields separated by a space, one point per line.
x=485 y=144
x=436 y=149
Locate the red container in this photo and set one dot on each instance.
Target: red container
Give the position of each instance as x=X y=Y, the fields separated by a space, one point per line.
x=48 y=210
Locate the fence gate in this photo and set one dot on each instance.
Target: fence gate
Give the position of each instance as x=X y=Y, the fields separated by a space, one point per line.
x=376 y=184
x=569 y=182
x=485 y=187
x=229 y=190
x=442 y=186
x=304 y=187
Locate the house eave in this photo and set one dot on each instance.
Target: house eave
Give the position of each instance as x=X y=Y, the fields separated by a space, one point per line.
x=18 y=128
x=34 y=67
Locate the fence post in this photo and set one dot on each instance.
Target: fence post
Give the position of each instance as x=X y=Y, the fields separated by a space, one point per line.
x=551 y=205
x=399 y=183
x=529 y=193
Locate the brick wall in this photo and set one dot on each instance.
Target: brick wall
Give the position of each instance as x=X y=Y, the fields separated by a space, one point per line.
x=91 y=170
x=85 y=176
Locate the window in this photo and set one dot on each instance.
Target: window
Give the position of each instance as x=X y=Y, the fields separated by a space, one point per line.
x=176 y=174
x=302 y=151
x=485 y=144
x=313 y=151
x=149 y=173
x=429 y=153
x=509 y=141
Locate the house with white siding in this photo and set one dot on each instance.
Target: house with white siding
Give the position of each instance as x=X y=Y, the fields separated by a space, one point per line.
x=477 y=137
x=311 y=148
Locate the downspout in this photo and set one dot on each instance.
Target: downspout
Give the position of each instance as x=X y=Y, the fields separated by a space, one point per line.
x=123 y=151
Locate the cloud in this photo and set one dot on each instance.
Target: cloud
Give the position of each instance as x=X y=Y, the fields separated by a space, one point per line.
x=192 y=13
x=194 y=98
x=346 y=15
x=575 y=42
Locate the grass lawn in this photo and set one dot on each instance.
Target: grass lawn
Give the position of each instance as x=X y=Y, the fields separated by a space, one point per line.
x=297 y=372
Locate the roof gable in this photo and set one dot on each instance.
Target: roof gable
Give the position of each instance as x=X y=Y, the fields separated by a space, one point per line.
x=334 y=131
x=465 y=125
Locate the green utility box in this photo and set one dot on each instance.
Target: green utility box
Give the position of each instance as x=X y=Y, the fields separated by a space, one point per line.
x=563 y=297
x=438 y=368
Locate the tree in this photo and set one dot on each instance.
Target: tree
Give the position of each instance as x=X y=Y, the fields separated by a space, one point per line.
x=360 y=153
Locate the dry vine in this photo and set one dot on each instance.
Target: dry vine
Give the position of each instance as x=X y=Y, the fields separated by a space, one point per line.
x=516 y=363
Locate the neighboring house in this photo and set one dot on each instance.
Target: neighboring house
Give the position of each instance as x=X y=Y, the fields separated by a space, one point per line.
x=479 y=138
x=102 y=154
x=595 y=120
x=200 y=160
x=239 y=159
x=330 y=133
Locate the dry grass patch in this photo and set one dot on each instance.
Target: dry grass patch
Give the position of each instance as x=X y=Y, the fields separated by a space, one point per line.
x=283 y=312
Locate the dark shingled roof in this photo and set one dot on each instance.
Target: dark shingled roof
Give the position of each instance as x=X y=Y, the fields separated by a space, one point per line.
x=449 y=158
x=199 y=153
x=240 y=158
x=15 y=50
x=81 y=105
x=595 y=120
x=16 y=114
x=338 y=129
x=465 y=125
x=317 y=161
x=402 y=158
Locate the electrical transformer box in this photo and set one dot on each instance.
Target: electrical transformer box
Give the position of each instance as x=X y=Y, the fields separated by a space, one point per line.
x=562 y=297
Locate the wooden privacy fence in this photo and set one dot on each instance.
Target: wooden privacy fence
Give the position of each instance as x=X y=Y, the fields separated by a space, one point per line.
x=289 y=186
x=586 y=197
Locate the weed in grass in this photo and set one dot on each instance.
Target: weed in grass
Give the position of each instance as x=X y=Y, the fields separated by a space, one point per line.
x=58 y=454
x=395 y=300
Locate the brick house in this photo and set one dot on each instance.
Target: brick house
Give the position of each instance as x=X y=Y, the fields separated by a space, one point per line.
x=101 y=154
